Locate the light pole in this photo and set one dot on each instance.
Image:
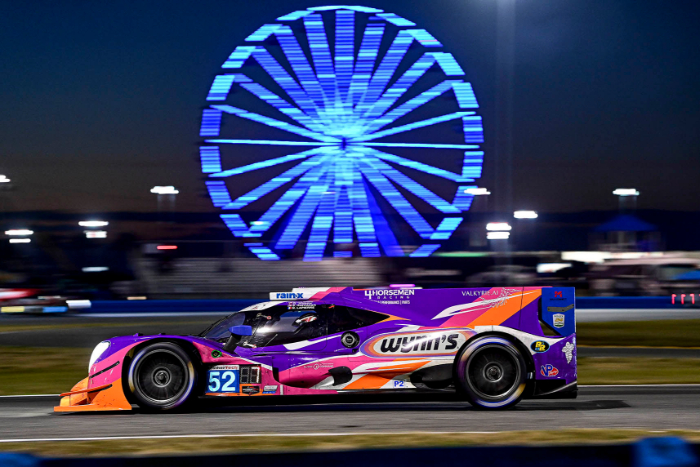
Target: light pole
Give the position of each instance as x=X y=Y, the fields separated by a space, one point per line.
x=505 y=72
x=526 y=230
x=165 y=194
x=627 y=198
x=479 y=203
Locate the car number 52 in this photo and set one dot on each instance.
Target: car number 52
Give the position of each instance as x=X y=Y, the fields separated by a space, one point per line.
x=223 y=381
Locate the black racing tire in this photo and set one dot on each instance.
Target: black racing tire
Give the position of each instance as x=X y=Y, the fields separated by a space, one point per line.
x=491 y=373
x=162 y=377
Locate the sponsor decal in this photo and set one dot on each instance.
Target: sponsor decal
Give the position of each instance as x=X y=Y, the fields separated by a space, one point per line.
x=250 y=390
x=417 y=343
x=568 y=350
x=317 y=366
x=215 y=353
x=272 y=388
x=289 y=295
x=224 y=367
x=388 y=293
x=301 y=306
x=540 y=346
x=558 y=294
x=549 y=371
x=501 y=297
x=559 y=309
x=474 y=293
x=559 y=320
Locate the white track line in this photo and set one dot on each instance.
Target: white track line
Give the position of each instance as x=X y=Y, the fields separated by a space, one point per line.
x=29 y=395
x=248 y=435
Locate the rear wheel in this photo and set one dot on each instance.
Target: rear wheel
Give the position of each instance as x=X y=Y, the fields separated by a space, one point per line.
x=491 y=373
x=162 y=377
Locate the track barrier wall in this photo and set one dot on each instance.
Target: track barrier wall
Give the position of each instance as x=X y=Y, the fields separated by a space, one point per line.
x=651 y=452
x=193 y=306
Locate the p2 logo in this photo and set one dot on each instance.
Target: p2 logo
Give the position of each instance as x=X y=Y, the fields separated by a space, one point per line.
x=549 y=371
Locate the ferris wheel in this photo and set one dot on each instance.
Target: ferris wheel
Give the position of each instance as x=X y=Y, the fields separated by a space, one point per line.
x=350 y=102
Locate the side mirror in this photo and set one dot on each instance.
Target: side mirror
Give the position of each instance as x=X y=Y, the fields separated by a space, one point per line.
x=241 y=330
x=236 y=333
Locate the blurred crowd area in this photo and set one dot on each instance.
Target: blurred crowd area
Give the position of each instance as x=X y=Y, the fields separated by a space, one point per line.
x=126 y=268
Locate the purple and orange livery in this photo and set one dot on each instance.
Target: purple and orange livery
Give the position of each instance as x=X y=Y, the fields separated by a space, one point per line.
x=331 y=340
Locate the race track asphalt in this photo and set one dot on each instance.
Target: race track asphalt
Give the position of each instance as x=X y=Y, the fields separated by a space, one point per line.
x=633 y=407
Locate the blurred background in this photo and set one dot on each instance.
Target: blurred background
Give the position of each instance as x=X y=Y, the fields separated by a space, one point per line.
x=147 y=184
x=590 y=143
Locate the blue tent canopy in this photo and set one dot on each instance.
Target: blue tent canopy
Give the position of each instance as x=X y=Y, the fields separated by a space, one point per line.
x=690 y=276
x=626 y=223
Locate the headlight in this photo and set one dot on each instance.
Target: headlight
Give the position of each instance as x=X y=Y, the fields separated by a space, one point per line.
x=99 y=350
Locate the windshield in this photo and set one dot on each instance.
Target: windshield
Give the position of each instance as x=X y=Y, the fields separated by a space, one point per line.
x=274 y=326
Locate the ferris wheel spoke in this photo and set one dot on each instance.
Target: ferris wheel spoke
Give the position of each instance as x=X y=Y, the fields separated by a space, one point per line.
x=321 y=56
x=301 y=217
x=386 y=68
x=393 y=57
x=276 y=182
x=300 y=65
x=410 y=105
x=395 y=198
x=267 y=142
x=420 y=145
x=429 y=169
x=282 y=105
x=271 y=122
x=415 y=188
x=285 y=81
x=321 y=227
x=399 y=88
x=265 y=163
x=287 y=200
x=362 y=217
x=412 y=126
x=366 y=58
x=344 y=54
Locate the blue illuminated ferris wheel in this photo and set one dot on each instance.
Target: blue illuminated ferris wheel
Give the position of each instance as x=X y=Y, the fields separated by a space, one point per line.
x=344 y=101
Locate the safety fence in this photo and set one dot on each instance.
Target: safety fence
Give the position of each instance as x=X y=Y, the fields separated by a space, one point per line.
x=230 y=305
x=656 y=452
x=192 y=306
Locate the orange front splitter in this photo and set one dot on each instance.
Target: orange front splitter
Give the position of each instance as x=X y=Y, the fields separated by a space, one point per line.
x=108 y=397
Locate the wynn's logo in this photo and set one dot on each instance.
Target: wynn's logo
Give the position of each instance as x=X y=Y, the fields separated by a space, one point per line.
x=426 y=343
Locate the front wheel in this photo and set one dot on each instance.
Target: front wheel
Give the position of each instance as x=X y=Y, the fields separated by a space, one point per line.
x=162 y=377
x=491 y=373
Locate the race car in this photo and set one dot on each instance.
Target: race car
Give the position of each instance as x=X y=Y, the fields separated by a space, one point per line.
x=494 y=346
x=35 y=301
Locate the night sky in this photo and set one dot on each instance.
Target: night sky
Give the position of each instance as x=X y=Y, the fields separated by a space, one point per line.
x=102 y=100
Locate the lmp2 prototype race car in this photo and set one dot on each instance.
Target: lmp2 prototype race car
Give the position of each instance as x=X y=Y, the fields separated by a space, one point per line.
x=494 y=346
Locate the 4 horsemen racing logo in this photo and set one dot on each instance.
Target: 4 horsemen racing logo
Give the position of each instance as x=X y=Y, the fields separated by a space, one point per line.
x=381 y=293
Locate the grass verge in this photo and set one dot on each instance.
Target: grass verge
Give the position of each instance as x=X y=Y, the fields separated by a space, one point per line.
x=270 y=443
x=607 y=370
x=41 y=370
x=662 y=333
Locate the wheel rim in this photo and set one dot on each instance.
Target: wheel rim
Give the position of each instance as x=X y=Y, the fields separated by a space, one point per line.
x=161 y=377
x=493 y=372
